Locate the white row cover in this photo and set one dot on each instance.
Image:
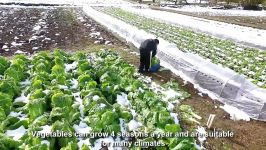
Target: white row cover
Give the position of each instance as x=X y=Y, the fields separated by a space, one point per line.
x=244 y=35
x=219 y=12
x=218 y=82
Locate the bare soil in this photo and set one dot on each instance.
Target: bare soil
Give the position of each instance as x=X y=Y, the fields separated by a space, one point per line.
x=249 y=21
x=33 y=29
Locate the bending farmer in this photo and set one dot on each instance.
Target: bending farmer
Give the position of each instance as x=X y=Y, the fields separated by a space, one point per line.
x=146 y=48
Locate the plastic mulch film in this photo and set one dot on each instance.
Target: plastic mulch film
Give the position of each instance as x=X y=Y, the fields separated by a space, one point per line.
x=219 y=83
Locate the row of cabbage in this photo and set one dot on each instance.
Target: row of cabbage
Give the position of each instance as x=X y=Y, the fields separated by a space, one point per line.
x=63 y=101
x=244 y=60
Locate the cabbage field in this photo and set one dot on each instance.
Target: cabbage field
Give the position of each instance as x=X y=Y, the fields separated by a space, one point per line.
x=69 y=80
x=244 y=60
x=72 y=101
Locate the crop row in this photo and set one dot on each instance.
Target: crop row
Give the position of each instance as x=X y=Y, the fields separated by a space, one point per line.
x=51 y=93
x=247 y=61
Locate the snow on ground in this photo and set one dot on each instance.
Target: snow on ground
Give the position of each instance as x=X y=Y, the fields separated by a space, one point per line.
x=105 y=2
x=201 y=136
x=17 y=133
x=245 y=35
x=73 y=2
x=40 y=1
x=235 y=114
x=219 y=12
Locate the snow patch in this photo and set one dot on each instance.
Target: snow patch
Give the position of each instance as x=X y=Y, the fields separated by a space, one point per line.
x=63 y=87
x=45 y=142
x=133 y=125
x=74 y=83
x=235 y=113
x=25 y=83
x=72 y=66
x=45 y=129
x=22 y=98
x=122 y=100
x=82 y=128
x=95 y=97
x=36 y=28
x=122 y=125
x=20 y=52
x=201 y=135
x=170 y=93
x=174 y=115
x=17 y=133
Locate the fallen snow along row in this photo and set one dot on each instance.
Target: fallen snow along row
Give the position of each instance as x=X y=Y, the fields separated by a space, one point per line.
x=218 y=82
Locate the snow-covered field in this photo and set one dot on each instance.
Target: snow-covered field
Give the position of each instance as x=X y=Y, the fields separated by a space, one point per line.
x=220 y=12
x=40 y=1
x=244 y=35
x=72 y=2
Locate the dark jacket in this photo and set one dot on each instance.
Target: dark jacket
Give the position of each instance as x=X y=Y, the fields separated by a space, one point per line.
x=148 y=46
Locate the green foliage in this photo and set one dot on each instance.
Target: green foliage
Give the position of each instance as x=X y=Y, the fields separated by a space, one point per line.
x=163 y=118
x=155 y=61
x=7 y=143
x=15 y=72
x=62 y=100
x=58 y=70
x=188 y=116
x=173 y=128
x=4 y=64
x=93 y=103
x=84 y=79
x=70 y=114
x=65 y=127
x=36 y=108
x=5 y=103
x=2 y=114
x=70 y=146
x=10 y=87
x=37 y=94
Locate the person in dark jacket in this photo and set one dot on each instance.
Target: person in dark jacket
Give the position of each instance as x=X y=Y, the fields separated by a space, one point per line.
x=146 y=48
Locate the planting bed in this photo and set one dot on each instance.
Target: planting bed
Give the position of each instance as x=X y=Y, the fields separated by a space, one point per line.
x=26 y=30
x=248 y=61
x=249 y=21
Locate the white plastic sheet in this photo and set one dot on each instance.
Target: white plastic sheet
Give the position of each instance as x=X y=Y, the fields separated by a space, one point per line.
x=219 y=83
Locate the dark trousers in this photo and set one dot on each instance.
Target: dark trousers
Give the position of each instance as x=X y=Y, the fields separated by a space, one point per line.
x=144 y=61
